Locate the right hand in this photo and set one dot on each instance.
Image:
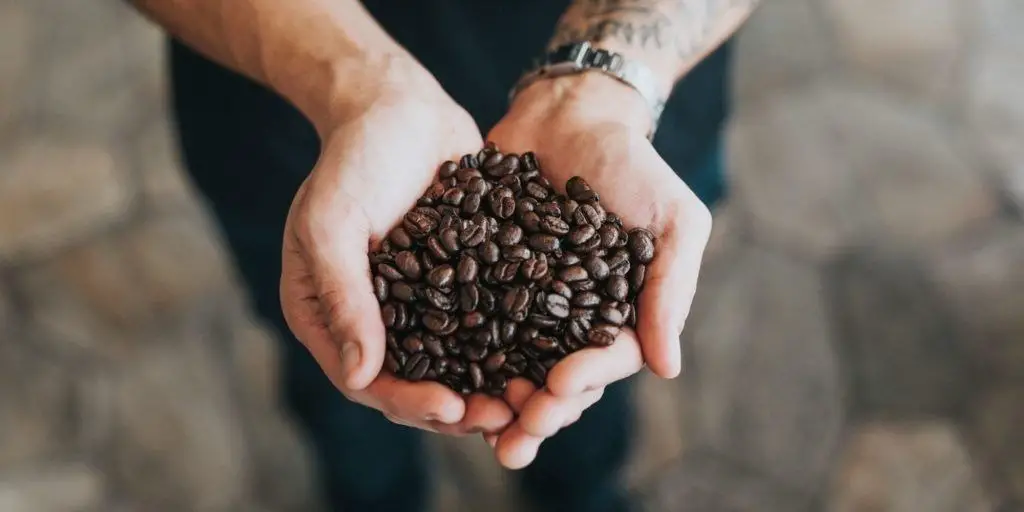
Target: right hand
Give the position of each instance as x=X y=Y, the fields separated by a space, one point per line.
x=374 y=165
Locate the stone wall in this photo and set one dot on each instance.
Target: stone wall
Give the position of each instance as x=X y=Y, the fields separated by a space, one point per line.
x=857 y=344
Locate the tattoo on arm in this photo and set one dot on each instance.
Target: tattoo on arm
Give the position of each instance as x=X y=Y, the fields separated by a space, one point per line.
x=684 y=30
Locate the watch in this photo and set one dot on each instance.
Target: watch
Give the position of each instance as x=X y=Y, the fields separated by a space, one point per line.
x=579 y=57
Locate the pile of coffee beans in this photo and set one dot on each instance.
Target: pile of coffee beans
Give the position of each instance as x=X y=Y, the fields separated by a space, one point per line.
x=494 y=275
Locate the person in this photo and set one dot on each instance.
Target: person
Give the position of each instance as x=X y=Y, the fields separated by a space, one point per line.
x=311 y=126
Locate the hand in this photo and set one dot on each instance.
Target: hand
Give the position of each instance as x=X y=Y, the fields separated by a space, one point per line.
x=592 y=126
x=374 y=165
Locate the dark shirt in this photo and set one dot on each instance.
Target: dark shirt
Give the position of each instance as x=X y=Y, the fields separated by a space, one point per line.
x=248 y=150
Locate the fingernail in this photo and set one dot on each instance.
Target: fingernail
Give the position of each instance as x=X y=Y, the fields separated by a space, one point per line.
x=349 y=358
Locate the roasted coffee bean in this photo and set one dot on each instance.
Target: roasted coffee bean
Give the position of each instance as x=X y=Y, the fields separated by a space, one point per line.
x=549 y=209
x=602 y=335
x=388 y=314
x=589 y=246
x=400 y=238
x=402 y=291
x=433 y=346
x=568 y=207
x=474 y=353
x=636 y=278
x=469 y=297
x=389 y=272
x=380 y=288
x=391 y=363
x=439 y=366
x=494 y=362
x=554 y=225
x=401 y=317
x=641 y=245
x=561 y=288
x=473 y=320
x=408 y=265
x=586 y=300
x=508 y=332
x=497 y=384
x=514 y=303
x=508 y=234
x=557 y=305
x=516 y=253
x=412 y=344
x=578 y=328
x=530 y=222
x=437 y=321
x=449 y=238
x=505 y=271
x=618 y=262
x=489 y=158
x=609 y=235
x=467 y=270
x=534 y=268
x=441 y=277
x=477 y=186
x=596 y=267
x=578 y=190
x=439 y=299
x=611 y=313
x=581 y=234
x=417 y=366
x=476 y=375
x=489 y=252
x=471 y=203
x=418 y=225
x=589 y=214
x=569 y=259
x=447 y=169
x=466 y=175
x=587 y=285
x=617 y=288
x=469 y=161
x=512 y=183
x=545 y=344
x=536 y=190
x=543 y=243
x=542 y=321
x=536 y=373
x=504 y=167
x=530 y=161
x=573 y=274
x=525 y=205
x=502 y=202
x=473 y=235
x=488 y=302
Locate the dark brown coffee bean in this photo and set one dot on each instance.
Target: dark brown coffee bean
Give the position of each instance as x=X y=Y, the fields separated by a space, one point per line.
x=573 y=274
x=408 y=265
x=389 y=272
x=412 y=344
x=473 y=320
x=515 y=302
x=441 y=277
x=478 y=186
x=610 y=313
x=508 y=234
x=505 y=167
x=388 y=314
x=453 y=196
x=418 y=224
x=569 y=259
x=466 y=175
x=578 y=328
x=618 y=262
x=417 y=366
x=557 y=305
x=391 y=363
x=561 y=288
x=641 y=245
x=494 y=362
x=488 y=302
x=534 y=268
x=516 y=253
x=596 y=267
x=587 y=285
x=489 y=158
x=512 y=183
x=549 y=209
x=609 y=235
x=536 y=190
x=433 y=346
x=508 y=332
x=447 y=169
x=568 y=207
x=617 y=287
x=450 y=328
x=467 y=269
x=473 y=235
x=589 y=246
x=536 y=373
x=476 y=376
x=589 y=214
x=380 y=288
x=449 y=240
x=400 y=238
x=581 y=234
x=437 y=251
x=436 y=321
x=403 y=291
x=586 y=300
x=545 y=344
x=542 y=321
x=456 y=366
x=489 y=252
x=469 y=161
x=474 y=353
x=469 y=297
x=525 y=205
x=530 y=161
x=440 y=366
x=505 y=271
x=579 y=190
x=471 y=203
x=602 y=335
x=554 y=225
x=636 y=278
x=497 y=384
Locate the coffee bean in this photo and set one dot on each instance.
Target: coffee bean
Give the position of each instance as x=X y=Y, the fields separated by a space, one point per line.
x=489 y=252
x=441 y=277
x=578 y=328
x=609 y=235
x=389 y=272
x=561 y=288
x=588 y=214
x=641 y=245
x=568 y=207
x=512 y=183
x=530 y=161
x=581 y=234
x=534 y=268
x=536 y=373
x=516 y=253
x=380 y=288
x=507 y=332
x=417 y=366
x=586 y=300
x=391 y=363
x=514 y=303
x=474 y=353
x=618 y=262
x=503 y=167
x=497 y=384
x=489 y=158
x=488 y=302
x=469 y=161
x=578 y=190
x=636 y=278
x=476 y=375
x=436 y=321
x=554 y=225
x=617 y=288
x=573 y=274
x=400 y=238
x=418 y=225
x=477 y=186
x=473 y=320
x=439 y=299
x=549 y=209
x=542 y=321
x=536 y=190
x=545 y=344
x=505 y=271
x=610 y=313
x=387 y=314
x=408 y=265
x=412 y=344
x=596 y=267
x=602 y=335
x=557 y=305
x=471 y=203
x=508 y=234
x=473 y=235
x=447 y=169
x=402 y=291
x=433 y=346
x=494 y=362
x=469 y=297
x=467 y=175
x=467 y=270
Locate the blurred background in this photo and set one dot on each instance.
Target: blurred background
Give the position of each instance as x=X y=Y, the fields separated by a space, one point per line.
x=857 y=344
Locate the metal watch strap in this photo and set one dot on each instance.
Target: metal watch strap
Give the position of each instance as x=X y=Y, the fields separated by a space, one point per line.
x=579 y=57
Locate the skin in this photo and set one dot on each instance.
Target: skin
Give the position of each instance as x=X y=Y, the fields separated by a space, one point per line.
x=366 y=96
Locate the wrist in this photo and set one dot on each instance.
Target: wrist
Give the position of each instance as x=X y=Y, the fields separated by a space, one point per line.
x=587 y=98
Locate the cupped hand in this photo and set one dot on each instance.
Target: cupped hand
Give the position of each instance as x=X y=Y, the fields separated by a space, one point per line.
x=373 y=167
x=594 y=127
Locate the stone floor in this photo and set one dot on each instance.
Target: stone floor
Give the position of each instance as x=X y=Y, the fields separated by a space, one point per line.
x=857 y=343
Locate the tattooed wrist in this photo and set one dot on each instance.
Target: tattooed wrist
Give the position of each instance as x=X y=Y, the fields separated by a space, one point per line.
x=669 y=35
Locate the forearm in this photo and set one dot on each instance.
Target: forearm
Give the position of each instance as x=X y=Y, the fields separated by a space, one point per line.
x=328 y=57
x=669 y=36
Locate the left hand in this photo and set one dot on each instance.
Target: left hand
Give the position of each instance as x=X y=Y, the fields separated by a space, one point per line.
x=592 y=126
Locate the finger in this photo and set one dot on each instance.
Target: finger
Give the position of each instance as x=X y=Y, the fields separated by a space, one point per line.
x=545 y=414
x=596 y=367
x=669 y=287
x=341 y=278
x=412 y=402
x=486 y=414
x=515 y=448
x=518 y=392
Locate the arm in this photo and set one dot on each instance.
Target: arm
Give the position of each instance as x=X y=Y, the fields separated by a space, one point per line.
x=327 y=57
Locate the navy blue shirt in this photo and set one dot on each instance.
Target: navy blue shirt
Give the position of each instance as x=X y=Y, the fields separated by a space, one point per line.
x=248 y=150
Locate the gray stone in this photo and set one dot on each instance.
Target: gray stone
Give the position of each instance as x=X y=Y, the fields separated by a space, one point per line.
x=36 y=406
x=56 y=191
x=907 y=468
x=782 y=45
x=101 y=297
x=705 y=483
x=660 y=435
x=827 y=168
x=63 y=488
x=765 y=383
x=901 y=344
x=982 y=280
x=994 y=427
x=175 y=439
x=912 y=44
